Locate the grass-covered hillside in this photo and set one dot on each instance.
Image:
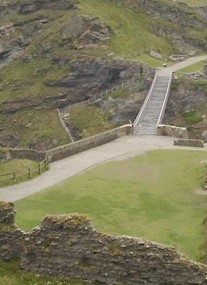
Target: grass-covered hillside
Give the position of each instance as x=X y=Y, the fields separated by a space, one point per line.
x=56 y=53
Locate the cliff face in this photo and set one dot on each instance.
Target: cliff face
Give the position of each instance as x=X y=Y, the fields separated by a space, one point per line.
x=187 y=107
x=57 y=53
x=68 y=246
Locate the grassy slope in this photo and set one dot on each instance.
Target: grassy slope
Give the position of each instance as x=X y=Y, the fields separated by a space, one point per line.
x=17 y=79
x=194 y=67
x=13 y=165
x=195 y=3
x=35 y=127
x=151 y=196
x=96 y=120
x=20 y=167
x=131 y=30
x=131 y=34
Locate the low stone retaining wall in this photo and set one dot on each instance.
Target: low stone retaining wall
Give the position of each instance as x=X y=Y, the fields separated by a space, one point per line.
x=69 y=246
x=16 y=153
x=88 y=143
x=172 y=131
x=189 y=142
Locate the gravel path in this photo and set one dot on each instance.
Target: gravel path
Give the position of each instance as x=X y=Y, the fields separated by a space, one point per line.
x=61 y=170
x=182 y=64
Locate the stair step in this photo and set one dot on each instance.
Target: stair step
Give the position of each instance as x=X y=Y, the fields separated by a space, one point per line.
x=150 y=115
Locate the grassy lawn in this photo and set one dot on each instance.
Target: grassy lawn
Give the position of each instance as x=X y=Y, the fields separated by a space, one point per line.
x=151 y=196
x=20 y=167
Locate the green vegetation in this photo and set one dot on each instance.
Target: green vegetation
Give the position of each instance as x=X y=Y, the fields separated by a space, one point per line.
x=192 y=117
x=124 y=93
x=37 y=128
x=195 y=3
x=10 y=274
x=193 y=68
x=14 y=164
x=19 y=167
x=131 y=29
x=152 y=195
x=23 y=84
x=151 y=61
x=96 y=122
x=49 y=51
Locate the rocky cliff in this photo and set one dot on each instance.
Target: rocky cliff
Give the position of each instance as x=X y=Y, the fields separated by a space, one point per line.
x=187 y=107
x=57 y=53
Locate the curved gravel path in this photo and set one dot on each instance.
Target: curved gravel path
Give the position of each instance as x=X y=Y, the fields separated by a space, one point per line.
x=182 y=64
x=61 y=170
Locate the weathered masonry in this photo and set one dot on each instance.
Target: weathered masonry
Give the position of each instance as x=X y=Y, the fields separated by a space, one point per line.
x=67 y=245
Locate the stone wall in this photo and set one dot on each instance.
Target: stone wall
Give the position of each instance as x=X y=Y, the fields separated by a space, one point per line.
x=10 y=237
x=27 y=154
x=68 y=246
x=66 y=150
x=172 y=131
x=88 y=143
x=15 y=153
x=189 y=142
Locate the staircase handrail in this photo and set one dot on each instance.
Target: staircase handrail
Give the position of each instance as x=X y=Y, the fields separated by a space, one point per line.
x=165 y=101
x=145 y=102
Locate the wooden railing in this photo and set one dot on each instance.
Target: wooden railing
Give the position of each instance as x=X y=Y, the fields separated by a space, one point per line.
x=24 y=174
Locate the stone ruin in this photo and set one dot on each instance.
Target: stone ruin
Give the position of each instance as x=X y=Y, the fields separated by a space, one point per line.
x=69 y=246
x=172 y=131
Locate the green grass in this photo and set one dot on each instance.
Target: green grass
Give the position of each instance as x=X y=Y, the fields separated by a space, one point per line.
x=195 y=3
x=194 y=67
x=96 y=122
x=151 y=196
x=131 y=29
x=192 y=117
x=23 y=84
x=14 y=164
x=124 y=93
x=20 y=167
x=151 y=61
x=35 y=128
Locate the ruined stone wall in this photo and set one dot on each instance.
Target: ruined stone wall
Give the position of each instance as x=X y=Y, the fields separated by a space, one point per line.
x=172 y=131
x=11 y=238
x=88 y=143
x=189 y=142
x=15 y=153
x=68 y=246
x=26 y=154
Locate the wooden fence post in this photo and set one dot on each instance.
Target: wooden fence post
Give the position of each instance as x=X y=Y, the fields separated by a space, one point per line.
x=39 y=168
x=14 y=177
x=29 y=173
